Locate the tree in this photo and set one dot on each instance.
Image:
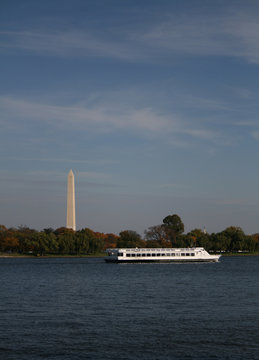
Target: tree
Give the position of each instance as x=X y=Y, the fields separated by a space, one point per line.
x=63 y=230
x=2 y=228
x=41 y=244
x=66 y=243
x=129 y=239
x=200 y=238
x=174 y=226
x=236 y=237
x=157 y=236
x=48 y=231
x=256 y=241
x=110 y=241
x=9 y=243
x=82 y=243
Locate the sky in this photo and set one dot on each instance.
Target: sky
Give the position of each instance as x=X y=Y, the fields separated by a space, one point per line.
x=152 y=104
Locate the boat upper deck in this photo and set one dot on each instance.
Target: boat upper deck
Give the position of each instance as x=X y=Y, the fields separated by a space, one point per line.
x=154 y=250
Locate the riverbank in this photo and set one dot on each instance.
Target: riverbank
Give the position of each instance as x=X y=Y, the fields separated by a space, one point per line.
x=98 y=255
x=241 y=254
x=30 y=256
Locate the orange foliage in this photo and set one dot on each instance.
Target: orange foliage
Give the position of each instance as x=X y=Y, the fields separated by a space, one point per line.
x=110 y=241
x=9 y=243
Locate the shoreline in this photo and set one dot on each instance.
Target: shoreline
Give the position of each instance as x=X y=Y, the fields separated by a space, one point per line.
x=100 y=255
x=24 y=256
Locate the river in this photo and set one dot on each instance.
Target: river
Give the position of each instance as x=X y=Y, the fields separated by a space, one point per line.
x=84 y=308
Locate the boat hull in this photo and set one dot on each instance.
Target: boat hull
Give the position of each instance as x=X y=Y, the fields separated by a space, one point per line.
x=108 y=260
x=158 y=261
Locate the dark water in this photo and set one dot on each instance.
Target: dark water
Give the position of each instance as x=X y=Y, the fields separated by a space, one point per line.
x=87 y=309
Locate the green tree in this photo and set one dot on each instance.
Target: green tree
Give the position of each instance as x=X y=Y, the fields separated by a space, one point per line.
x=250 y=244
x=220 y=242
x=129 y=239
x=52 y=242
x=236 y=238
x=66 y=243
x=48 y=230
x=200 y=239
x=41 y=244
x=174 y=227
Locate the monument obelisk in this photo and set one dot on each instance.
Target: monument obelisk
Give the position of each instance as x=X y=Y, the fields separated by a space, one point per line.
x=71 y=210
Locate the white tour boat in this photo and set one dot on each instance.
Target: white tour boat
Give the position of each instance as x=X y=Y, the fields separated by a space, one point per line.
x=197 y=254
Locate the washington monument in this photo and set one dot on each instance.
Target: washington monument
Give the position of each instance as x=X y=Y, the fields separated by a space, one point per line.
x=71 y=211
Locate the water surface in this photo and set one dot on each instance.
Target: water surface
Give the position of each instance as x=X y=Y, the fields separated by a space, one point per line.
x=84 y=308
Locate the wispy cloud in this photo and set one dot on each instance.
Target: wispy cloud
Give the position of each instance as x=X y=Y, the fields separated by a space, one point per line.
x=68 y=43
x=235 y=33
x=101 y=117
x=144 y=121
x=242 y=93
x=170 y=185
x=93 y=175
x=54 y=176
x=255 y=135
x=59 y=160
x=42 y=179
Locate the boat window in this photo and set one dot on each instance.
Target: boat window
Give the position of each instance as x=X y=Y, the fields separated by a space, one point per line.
x=182 y=254
x=138 y=254
x=153 y=254
x=187 y=254
x=148 y=254
x=128 y=255
x=173 y=254
x=162 y=254
x=192 y=254
x=133 y=255
x=144 y=255
x=120 y=254
x=168 y=254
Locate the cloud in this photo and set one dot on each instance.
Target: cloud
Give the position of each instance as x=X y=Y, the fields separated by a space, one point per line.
x=255 y=135
x=170 y=185
x=101 y=161
x=101 y=118
x=236 y=33
x=55 y=181
x=93 y=175
x=74 y=42
x=200 y=133
x=247 y=123
x=242 y=93
x=57 y=177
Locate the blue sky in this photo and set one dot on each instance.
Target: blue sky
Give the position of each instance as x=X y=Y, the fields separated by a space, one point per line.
x=153 y=104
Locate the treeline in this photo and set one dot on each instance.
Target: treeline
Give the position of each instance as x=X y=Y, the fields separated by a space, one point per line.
x=61 y=241
x=232 y=239
x=170 y=233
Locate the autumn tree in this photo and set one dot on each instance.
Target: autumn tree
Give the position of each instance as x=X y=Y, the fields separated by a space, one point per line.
x=110 y=241
x=9 y=243
x=157 y=236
